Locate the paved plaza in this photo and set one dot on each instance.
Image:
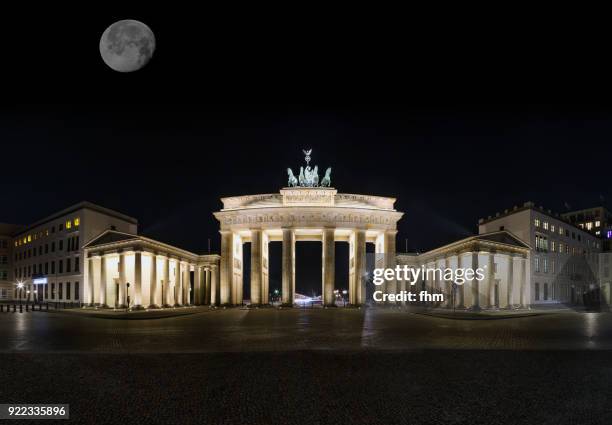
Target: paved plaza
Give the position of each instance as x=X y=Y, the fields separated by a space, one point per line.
x=239 y=330
x=313 y=366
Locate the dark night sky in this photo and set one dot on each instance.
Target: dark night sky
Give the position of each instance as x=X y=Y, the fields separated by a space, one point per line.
x=457 y=124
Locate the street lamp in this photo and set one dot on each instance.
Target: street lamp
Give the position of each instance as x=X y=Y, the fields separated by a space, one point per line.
x=20 y=287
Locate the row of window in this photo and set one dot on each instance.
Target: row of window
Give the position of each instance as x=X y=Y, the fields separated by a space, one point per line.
x=52 y=294
x=3 y=274
x=546 y=265
x=23 y=240
x=542 y=244
x=560 y=229
x=3 y=243
x=25 y=272
x=72 y=244
x=3 y=259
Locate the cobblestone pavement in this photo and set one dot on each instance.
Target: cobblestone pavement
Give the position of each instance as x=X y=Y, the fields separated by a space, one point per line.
x=235 y=330
x=335 y=366
x=321 y=387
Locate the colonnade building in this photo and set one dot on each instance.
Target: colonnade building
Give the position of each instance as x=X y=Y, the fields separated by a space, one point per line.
x=302 y=214
x=128 y=270
x=93 y=255
x=502 y=256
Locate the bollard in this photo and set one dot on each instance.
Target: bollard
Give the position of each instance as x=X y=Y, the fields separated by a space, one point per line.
x=27 y=306
x=14 y=308
x=47 y=306
x=20 y=308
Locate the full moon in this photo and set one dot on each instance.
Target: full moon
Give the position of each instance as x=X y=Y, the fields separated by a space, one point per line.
x=127 y=45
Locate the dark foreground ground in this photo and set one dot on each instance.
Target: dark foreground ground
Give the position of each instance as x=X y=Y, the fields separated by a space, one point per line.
x=319 y=387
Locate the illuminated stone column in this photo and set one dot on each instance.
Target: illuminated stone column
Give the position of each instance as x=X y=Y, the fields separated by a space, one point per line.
x=187 y=284
x=256 y=267
x=288 y=266
x=460 y=288
x=214 y=285
x=448 y=284
x=510 y=299
x=122 y=280
x=178 y=289
x=206 y=288
x=265 y=272
x=490 y=275
x=166 y=287
x=103 y=284
x=358 y=289
x=153 y=283
x=90 y=282
x=329 y=263
x=475 y=285
x=523 y=283
x=390 y=260
x=138 y=280
x=237 y=284
x=227 y=267
x=197 y=285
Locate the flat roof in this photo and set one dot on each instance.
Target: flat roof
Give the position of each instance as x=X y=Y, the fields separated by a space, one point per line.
x=80 y=206
x=541 y=210
x=582 y=211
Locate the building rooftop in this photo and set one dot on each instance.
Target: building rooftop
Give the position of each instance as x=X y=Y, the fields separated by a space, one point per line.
x=531 y=206
x=76 y=207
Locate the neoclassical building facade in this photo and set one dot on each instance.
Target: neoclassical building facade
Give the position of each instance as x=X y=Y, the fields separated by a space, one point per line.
x=128 y=270
x=302 y=214
x=502 y=256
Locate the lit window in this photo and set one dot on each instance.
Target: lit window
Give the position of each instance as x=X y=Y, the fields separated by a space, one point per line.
x=589 y=225
x=560 y=230
x=537 y=222
x=17 y=244
x=581 y=225
x=545 y=225
x=597 y=223
x=68 y=224
x=598 y=233
x=29 y=238
x=609 y=235
x=47 y=232
x=552 y=228
x=552 y=246
x=77 y=222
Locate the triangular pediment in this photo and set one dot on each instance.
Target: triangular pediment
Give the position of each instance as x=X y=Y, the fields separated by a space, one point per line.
x=504 y=237
x=110 y=236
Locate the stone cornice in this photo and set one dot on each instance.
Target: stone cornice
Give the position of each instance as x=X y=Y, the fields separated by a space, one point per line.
x=266 y=218
x=311 y=196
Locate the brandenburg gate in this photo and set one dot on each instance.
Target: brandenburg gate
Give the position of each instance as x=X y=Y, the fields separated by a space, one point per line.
x=304 y=211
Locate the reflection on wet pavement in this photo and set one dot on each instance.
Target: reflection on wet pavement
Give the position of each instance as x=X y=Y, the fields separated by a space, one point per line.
x=300 y=329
